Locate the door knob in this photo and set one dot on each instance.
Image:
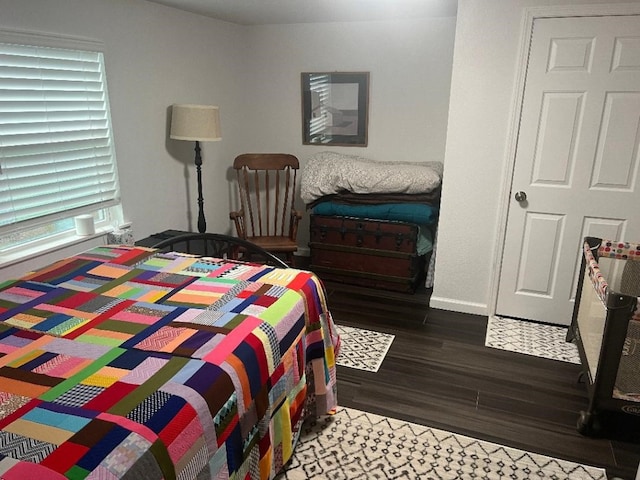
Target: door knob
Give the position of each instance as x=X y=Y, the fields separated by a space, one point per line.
x=521 y=196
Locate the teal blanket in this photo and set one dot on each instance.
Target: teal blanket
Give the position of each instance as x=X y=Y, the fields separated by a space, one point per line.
x=419 y=213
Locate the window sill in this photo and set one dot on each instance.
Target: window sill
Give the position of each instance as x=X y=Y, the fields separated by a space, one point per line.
x=25 y=254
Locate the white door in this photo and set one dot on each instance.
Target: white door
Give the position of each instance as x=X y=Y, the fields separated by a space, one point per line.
x=576 y=161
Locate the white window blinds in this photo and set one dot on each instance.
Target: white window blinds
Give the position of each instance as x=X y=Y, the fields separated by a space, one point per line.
x=320 y=87
x=56 y=148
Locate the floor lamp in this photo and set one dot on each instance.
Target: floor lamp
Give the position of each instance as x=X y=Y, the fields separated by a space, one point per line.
x=199 y=123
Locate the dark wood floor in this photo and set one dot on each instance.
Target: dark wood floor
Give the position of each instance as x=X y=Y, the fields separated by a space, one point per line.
x=439 y=373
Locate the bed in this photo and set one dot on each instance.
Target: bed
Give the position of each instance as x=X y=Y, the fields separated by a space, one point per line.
x=131 y=362
x=388 y=194
x=606 y=329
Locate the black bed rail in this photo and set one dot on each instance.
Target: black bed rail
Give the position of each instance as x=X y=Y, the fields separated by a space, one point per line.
x=220 y=246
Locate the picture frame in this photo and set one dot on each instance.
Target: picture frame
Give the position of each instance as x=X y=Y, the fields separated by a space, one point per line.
x=335 y=108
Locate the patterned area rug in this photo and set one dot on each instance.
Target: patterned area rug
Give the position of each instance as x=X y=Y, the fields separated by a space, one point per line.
x=362 y=349
x=531 y=338
x=358 y=445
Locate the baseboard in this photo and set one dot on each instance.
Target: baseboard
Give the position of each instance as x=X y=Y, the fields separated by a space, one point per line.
x=458 y=306
x=303 y=252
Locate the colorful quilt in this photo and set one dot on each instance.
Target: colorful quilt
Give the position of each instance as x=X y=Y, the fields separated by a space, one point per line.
x=125 y=362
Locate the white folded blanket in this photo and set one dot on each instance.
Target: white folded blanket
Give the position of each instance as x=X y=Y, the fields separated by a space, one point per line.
x=327 y=173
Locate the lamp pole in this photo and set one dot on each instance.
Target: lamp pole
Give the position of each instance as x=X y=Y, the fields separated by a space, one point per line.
x=202 y=224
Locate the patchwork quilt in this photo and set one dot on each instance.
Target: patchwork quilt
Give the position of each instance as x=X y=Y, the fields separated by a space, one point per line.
x=125 y=362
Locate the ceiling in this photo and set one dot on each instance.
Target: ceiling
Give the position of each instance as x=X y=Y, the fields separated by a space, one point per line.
x=269 y=12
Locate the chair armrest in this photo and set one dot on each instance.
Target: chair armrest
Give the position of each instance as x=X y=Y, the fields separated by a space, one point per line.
x=238 y=220
x=293 y=225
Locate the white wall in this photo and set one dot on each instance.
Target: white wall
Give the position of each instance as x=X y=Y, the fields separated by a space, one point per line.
x=483 y=91
x=155 y=56
x=410 y=71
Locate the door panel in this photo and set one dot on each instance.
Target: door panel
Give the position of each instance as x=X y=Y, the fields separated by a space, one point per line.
x=616 y=165
x=538 y=253
x=555 y=148
x=577 y=160
x=570 y=54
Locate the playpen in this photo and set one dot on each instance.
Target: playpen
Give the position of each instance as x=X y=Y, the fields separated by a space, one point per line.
x=606 y=329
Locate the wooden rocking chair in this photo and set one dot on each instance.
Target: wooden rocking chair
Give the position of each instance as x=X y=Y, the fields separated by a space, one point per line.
x=267 y=217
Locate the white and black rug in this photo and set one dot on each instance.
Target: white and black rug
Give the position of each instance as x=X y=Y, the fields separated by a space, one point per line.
x=531 y=338
x=362 y=349
x=356 y=445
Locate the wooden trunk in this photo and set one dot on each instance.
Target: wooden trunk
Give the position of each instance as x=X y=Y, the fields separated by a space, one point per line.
x=372 y=253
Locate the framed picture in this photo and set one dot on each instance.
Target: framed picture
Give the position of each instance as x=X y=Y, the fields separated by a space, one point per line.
x=335 y=108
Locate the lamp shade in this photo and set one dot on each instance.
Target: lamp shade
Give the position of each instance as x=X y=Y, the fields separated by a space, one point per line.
x=195 y=122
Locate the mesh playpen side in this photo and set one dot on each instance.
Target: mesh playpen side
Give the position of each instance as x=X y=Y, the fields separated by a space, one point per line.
x=606 y=329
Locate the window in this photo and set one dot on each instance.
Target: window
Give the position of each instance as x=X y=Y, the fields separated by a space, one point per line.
x=57 y=158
